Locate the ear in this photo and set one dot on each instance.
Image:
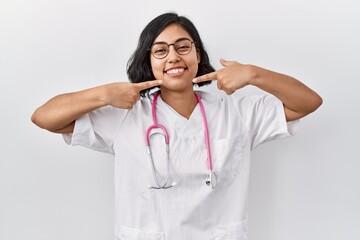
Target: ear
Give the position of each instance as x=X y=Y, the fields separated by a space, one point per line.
x=198 y=55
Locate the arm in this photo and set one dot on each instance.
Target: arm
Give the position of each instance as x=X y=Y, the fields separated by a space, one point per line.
x=59 y=113
x=298 y=99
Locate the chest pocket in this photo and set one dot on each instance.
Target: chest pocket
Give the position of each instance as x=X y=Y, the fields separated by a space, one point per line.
x=126 y=233
x=228 y=159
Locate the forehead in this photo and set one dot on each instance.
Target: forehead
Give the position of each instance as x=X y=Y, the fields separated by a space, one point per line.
x=172 y=33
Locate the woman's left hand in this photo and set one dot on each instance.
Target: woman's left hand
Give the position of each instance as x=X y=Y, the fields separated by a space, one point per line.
x=232 y=77
x=298 y=99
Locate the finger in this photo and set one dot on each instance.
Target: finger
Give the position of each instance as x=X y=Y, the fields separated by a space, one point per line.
x=225 y=63
x=229 y=91
x=147 y=84
x=206 y=77
x=219 y=86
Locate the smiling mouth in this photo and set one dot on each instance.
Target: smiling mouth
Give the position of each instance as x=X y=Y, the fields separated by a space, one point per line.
x=175 y=71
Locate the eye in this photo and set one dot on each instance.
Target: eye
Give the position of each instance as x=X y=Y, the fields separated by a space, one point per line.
x=159 y=50
x=183 y=46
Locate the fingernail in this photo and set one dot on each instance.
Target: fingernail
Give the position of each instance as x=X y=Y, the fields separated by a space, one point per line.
x=159 y=82
x=194 y=80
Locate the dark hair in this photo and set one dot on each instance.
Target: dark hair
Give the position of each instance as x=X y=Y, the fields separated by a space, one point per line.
x=139 y=66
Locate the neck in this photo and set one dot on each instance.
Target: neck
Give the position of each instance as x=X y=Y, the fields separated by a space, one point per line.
x=182 y=102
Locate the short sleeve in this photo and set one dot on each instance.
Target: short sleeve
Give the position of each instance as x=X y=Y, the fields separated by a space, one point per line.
x=97 y=130
x=264 y=117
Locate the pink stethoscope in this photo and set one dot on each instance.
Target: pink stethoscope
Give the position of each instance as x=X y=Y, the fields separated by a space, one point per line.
x=210 y=178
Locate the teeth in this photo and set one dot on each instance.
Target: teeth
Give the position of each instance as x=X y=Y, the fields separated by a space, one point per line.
x=175 y=70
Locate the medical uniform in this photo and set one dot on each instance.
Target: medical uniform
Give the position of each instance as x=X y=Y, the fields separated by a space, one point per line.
x=191 y=209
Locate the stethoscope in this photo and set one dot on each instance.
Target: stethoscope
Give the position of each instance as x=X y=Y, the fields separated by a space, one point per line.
x=210 y=178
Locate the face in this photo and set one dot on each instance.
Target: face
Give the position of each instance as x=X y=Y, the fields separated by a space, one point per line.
x=176 y=70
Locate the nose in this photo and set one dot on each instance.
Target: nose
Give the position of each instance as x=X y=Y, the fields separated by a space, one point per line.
x=173 y=56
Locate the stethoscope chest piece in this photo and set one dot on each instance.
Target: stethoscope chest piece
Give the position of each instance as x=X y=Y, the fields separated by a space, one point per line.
x=211 y=180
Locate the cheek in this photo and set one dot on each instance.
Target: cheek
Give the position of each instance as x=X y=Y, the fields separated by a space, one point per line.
x=156 y=69
x=195 y=64
x=195 y=71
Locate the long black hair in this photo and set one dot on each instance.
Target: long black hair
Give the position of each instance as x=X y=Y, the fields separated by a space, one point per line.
x=139 y=66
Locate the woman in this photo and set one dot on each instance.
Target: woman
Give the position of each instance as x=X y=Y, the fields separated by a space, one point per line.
x=196 y=187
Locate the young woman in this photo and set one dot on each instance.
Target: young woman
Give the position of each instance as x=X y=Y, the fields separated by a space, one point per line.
x=182 y=157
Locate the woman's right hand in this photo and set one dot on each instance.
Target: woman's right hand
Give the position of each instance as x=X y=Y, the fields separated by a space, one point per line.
x=59 y=113
x=125 y=95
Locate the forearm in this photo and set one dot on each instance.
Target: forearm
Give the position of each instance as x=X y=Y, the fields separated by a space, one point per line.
x=62 y=110
x=59 y=113
x=298 y=99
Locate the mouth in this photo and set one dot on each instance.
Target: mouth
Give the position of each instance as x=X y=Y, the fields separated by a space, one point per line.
x=178 y=71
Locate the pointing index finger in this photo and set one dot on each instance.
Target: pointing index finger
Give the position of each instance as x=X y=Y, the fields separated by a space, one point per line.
x=205 y=77
x=148 y=84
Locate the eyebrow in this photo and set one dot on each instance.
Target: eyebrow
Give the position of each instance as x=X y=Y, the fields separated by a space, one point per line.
x=184 y=38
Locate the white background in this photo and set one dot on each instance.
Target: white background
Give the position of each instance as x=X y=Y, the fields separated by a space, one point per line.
x=305 y=187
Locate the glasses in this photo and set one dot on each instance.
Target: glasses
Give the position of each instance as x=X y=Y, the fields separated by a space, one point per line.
x=182 y=46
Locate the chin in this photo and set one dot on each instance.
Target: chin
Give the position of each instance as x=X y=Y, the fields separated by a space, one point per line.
x=176 y=86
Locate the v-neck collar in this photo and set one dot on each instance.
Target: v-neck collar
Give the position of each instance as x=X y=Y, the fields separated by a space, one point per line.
x=174 y=116
x=169 y=117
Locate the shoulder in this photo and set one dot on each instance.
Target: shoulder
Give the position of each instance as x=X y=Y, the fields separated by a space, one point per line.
x=236 y=98
x=209 y=97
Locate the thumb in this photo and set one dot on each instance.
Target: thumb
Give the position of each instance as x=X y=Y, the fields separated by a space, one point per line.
x=224 y=62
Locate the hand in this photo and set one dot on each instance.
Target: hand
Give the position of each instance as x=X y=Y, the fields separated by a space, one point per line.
x=232 y=77
x=125 y=95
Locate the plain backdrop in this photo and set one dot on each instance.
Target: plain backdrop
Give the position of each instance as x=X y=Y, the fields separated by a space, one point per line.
x=305 y=187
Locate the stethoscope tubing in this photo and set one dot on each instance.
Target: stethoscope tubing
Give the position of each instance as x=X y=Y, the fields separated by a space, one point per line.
x=207 y=138
x=165 y=134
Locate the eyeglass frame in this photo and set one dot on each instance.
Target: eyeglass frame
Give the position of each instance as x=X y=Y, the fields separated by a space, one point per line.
x=171 y=44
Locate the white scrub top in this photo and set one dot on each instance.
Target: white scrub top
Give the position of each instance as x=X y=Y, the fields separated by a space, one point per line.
x=190 y=210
